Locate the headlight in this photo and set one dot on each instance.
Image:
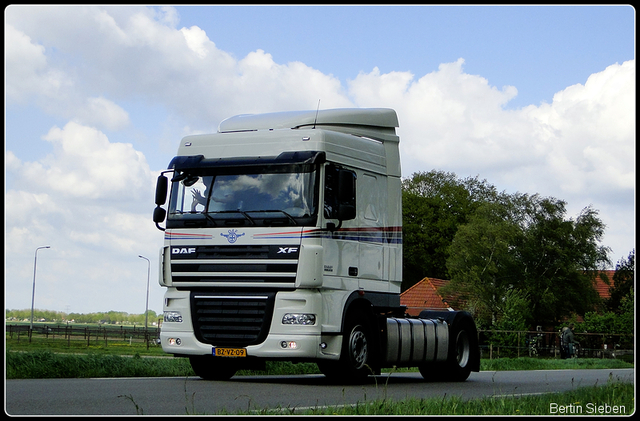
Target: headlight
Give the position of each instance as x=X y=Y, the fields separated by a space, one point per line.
x=172 y=316
x=298 y=319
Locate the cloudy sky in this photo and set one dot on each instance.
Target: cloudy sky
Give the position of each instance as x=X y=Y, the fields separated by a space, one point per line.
x=532 y=99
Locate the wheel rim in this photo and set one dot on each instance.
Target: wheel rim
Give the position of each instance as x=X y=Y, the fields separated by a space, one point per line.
x=358 y=348
x=463 y=349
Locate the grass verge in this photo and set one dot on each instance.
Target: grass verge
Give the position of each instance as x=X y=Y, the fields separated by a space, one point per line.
x=615 y=398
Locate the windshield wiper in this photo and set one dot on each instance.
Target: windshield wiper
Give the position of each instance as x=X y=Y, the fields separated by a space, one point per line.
x=289 y=217
x=231 y=221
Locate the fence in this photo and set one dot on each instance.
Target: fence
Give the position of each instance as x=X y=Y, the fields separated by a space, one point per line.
x=511 y=343
x=90 y=334
x=493 y=343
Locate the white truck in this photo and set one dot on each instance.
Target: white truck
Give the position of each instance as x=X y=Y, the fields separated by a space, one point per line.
x=283 y=241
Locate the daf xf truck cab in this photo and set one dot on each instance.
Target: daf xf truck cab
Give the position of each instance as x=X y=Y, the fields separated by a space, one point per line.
x=283 y=241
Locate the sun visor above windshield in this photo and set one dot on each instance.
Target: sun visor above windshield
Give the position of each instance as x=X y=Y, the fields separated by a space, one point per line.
x=179 y=163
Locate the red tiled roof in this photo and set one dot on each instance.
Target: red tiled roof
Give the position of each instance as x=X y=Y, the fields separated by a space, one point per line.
x=424 y=295
x=601 y=286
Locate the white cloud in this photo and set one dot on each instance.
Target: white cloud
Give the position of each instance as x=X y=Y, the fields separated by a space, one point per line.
x=85 y=164
x=27 y=70
x=581 y=144
x=448 y=119
x=196 y=40
x=591 y=132
x=126 y=52
x=100 y=112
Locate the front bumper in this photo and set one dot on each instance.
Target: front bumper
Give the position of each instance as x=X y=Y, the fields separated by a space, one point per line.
x=288 y=342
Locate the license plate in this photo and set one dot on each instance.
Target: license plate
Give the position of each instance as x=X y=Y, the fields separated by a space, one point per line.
x=229 y=352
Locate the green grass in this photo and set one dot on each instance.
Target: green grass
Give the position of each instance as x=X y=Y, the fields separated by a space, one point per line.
x=587 y=400
x=526 y=363
x=46 y=364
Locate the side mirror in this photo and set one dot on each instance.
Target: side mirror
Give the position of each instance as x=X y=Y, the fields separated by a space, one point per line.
x=159 y=215
x=161 y=190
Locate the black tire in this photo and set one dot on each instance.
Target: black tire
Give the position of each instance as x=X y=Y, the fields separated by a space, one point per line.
x=460 y=354
x=356 y=355
x=210 y=368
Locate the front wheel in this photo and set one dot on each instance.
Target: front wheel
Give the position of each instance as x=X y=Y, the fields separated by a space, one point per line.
x=356 y=356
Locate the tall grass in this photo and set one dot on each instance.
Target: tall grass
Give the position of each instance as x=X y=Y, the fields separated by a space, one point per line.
x=526 y=363
x=583 y=400
x=46 y=364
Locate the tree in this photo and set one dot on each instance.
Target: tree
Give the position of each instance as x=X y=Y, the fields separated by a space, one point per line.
x=525 y=243
x=516 y=308
x=622 y=282
x=481 y=262
x=434 y=205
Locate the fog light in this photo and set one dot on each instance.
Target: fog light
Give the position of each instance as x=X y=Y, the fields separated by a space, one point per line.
x=288 y=345
x=299 y=319
x=174 y=341
x=172 y=316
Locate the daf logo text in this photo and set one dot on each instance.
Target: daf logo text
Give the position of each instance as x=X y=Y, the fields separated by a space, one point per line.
x=183 y=250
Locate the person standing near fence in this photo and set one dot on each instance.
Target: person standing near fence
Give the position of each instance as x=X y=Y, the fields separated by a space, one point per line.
x=568 y=342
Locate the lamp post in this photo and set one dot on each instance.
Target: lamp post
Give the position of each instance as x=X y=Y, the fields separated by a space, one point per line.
x=33 y=292
x=146 y=312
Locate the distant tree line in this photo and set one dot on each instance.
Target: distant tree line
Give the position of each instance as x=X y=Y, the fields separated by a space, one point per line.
x=514 y=260
x=110 y=317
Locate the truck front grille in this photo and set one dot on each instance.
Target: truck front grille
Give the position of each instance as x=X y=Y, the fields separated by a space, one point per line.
x=266 y=265
x=227 y=319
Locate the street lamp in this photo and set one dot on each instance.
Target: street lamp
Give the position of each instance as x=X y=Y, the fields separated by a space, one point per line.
x=33 y=292
x=146 y=312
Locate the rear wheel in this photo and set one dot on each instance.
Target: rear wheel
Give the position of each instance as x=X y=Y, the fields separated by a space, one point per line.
x=457 y=367
x=210 y=368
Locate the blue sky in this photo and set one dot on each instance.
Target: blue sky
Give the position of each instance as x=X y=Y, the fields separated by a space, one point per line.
x=539 y=50
x=536 y=99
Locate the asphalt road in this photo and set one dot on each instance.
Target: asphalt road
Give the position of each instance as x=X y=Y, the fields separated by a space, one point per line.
x=191 y=395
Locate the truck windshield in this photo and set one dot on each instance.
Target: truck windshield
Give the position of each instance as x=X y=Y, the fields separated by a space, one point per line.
x=263 y=196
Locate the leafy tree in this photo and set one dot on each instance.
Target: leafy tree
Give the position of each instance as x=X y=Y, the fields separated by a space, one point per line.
x=620 y=322
x=560 y=259
x=480 y=262
x=525 y=243
x=514 y=315
x=434 y=205
x=622 y=282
